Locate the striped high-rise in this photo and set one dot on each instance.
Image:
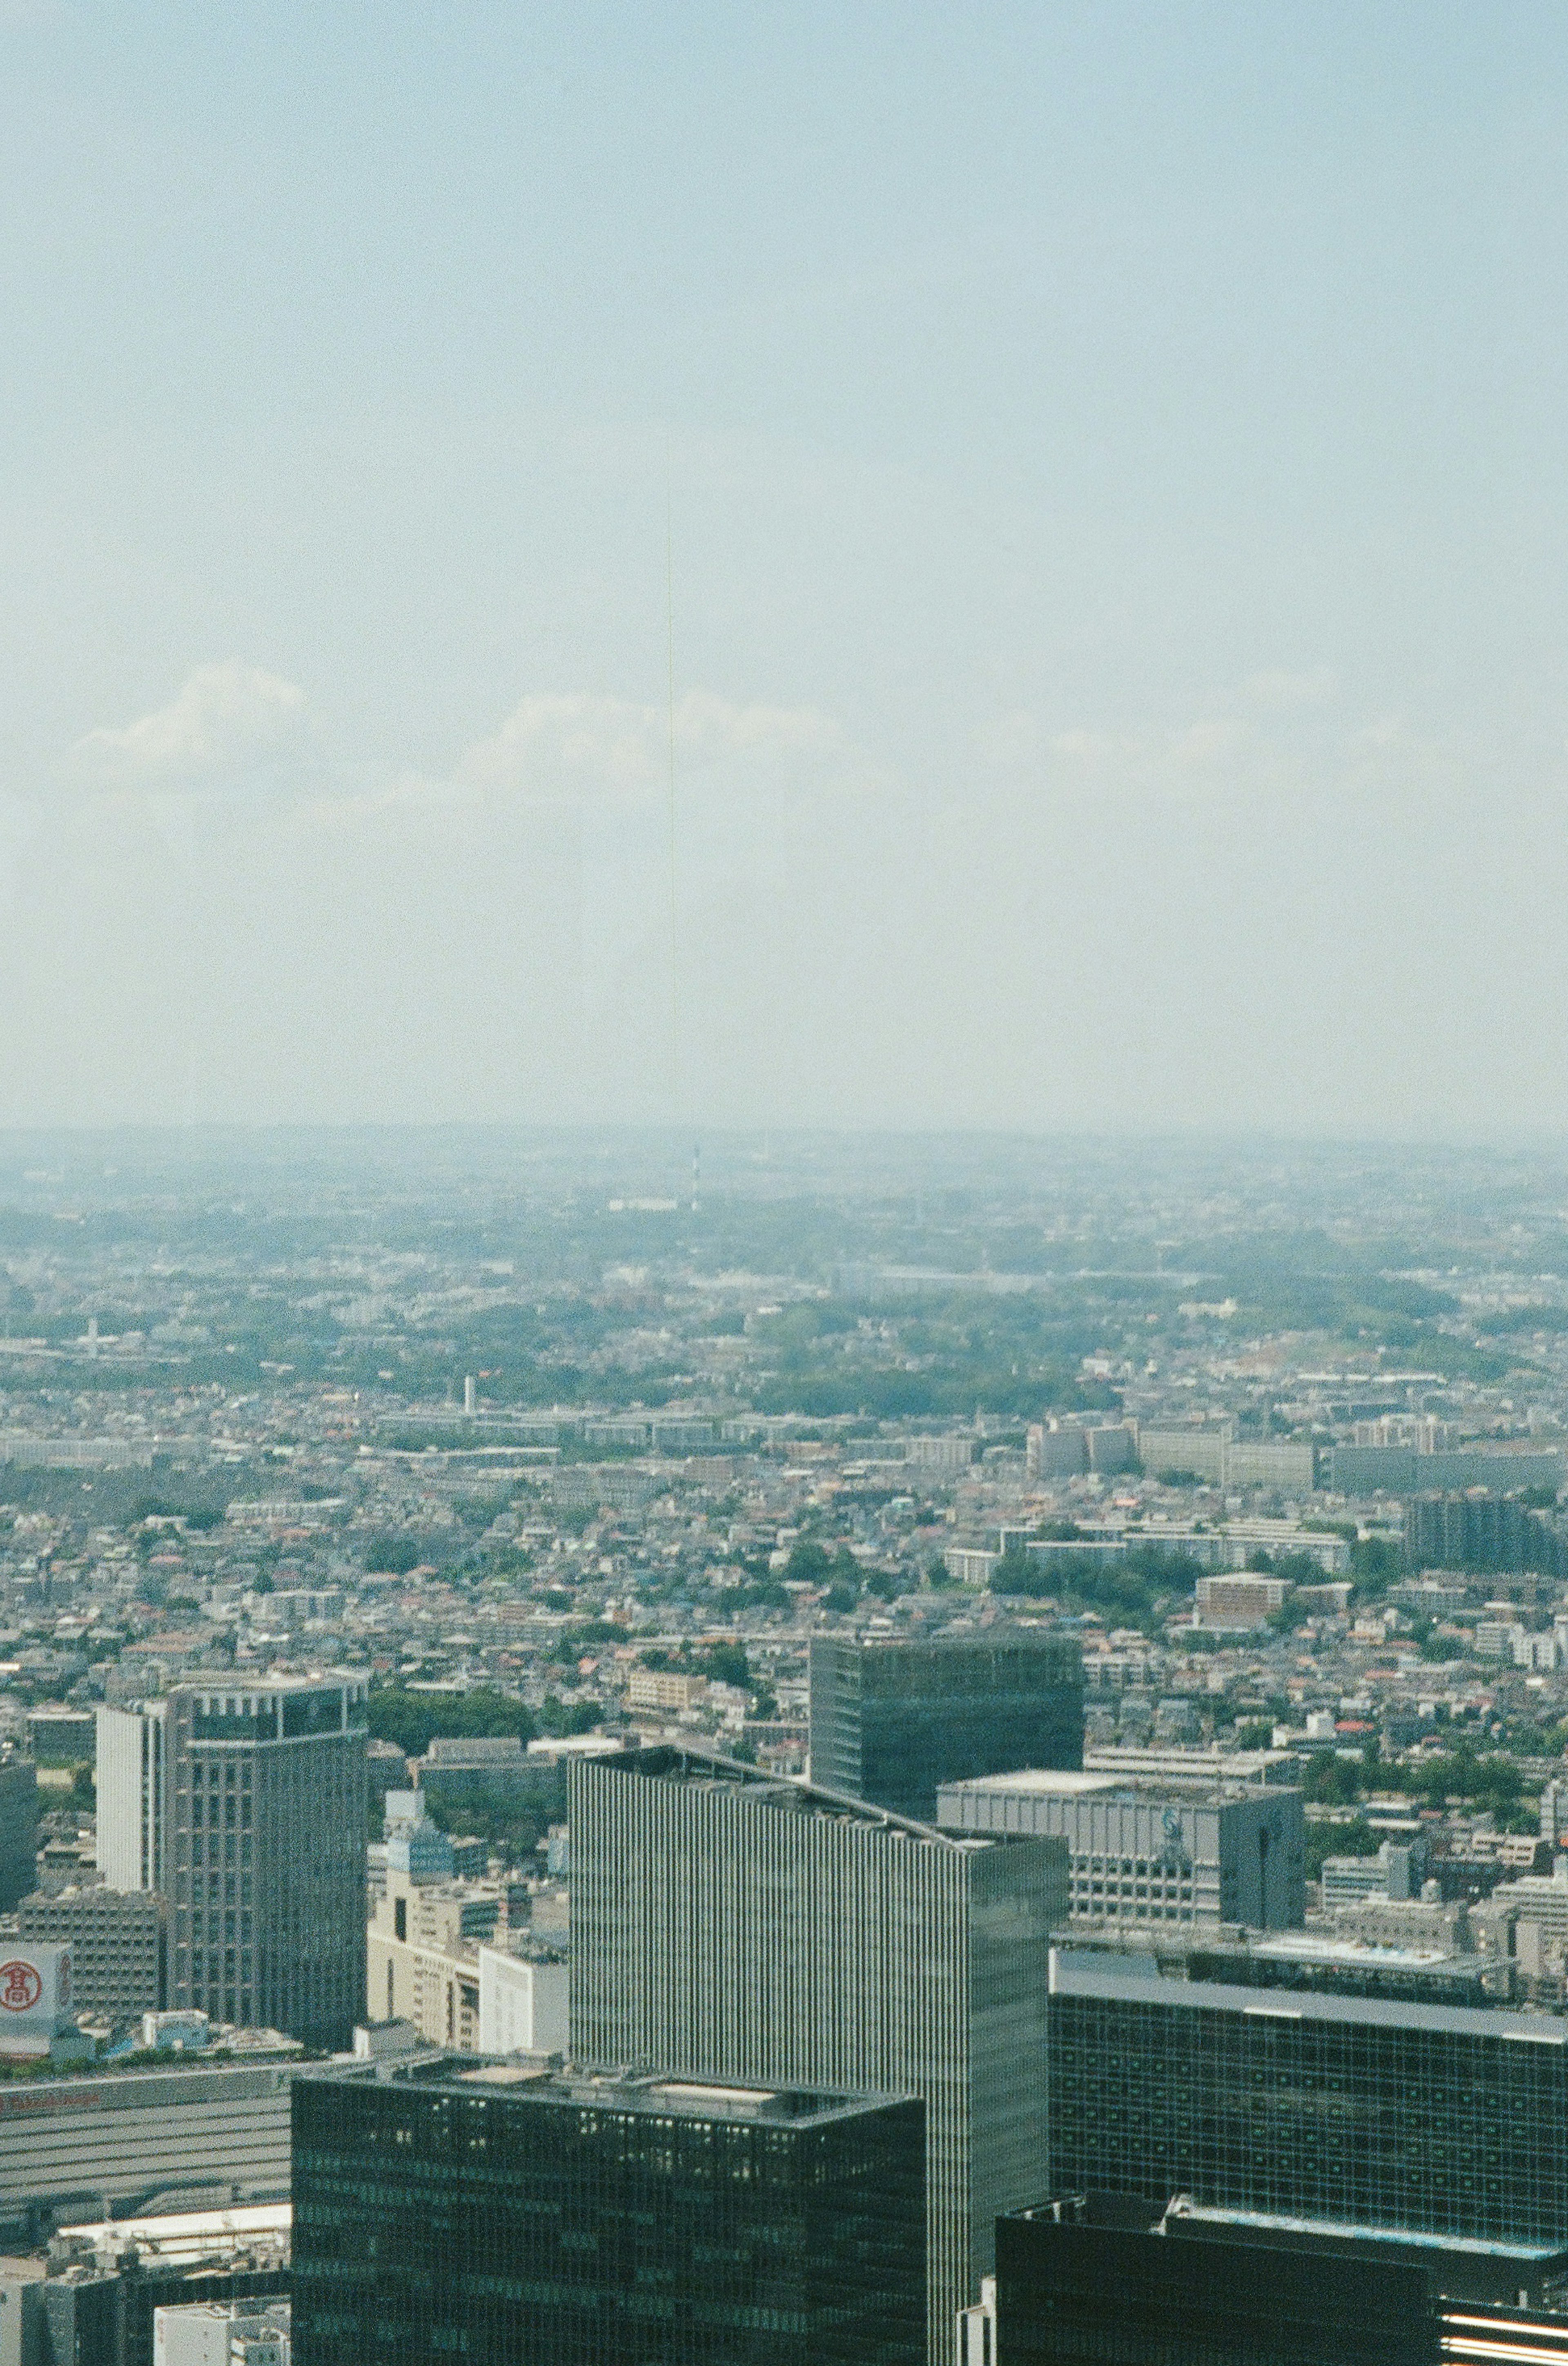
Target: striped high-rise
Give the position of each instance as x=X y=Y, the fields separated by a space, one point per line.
x=729 y=1926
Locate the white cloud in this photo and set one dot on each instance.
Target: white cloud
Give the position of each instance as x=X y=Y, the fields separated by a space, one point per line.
x=227 y=716
x=1215 y=755
x=551 y=745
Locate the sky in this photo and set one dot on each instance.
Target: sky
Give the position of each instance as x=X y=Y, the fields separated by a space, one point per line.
x=1105 y=466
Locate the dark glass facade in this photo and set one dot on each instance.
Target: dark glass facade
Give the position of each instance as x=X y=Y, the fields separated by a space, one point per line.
x=1449 y=2122
x=891 y=1722
x=570 y=2222
x=1089 y=2283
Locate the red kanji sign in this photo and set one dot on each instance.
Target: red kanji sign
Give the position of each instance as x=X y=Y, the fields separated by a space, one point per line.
x=20 y=1987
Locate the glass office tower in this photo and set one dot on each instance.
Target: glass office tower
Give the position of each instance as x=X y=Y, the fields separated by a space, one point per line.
x=521 y=2218
x=1442 y=2121
x=733 y=1927
x=892 y=1721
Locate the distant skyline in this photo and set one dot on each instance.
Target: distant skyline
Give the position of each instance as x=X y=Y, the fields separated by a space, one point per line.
x=1118 y=474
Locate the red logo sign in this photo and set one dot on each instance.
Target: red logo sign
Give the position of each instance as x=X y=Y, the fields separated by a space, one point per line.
x=20 y=1987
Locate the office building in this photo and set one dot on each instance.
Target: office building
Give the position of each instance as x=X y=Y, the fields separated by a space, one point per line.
x=1153 y=1853
x=531 y=2218
x=219 y=2332
x=415 y=1846
x=892 y=1721
x=729 y=1926
x=102 y=2311
x=69 y=2146
x=242 y=1802
x=1396 y=1873
x=1436 y=2120
x=423 y=1949
x=522 y=2002
x=18 y=1828
x=1092 y=2277
x=118 y=1940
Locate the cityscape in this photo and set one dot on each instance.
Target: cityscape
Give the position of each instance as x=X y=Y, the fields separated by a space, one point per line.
x=900 y=1719
x=783 y=1183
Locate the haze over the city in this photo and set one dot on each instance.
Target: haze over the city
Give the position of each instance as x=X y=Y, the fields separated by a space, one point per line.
x=1112 y=460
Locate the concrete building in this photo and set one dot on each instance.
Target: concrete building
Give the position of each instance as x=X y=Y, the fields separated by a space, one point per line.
x=936 y=1459
x=522 y=2002
x=1177 y=1447
x=1210 y=1764
x=1395 y=1873
x=416 y=1846
x=213 y=2333
x=118 y=1942
x=37 y=2009
x=70 y=2146
x=667 y=1690
x=1289 y=1465
x=732 y=1927
x=422 y=1950
x=18 y=1828
x=1153 y=1853
x=1541 y=1899
x=522 y=2217
x=892 y=1721
x=244 y=1803
x=1242 y=1601
x=457 y=1765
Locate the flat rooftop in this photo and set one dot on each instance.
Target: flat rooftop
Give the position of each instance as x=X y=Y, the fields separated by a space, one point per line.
x=1184 y=2215
x=690 y=1762
x=542 y=2081
x=1137 y=1979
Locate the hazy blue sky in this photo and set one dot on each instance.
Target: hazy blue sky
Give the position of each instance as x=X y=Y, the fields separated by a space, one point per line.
x=1117 y=468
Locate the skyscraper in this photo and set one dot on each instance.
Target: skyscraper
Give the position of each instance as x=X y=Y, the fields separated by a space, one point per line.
x=892 y=1721
x=727 y=1926
x=243 y=1802
x=525 y=2218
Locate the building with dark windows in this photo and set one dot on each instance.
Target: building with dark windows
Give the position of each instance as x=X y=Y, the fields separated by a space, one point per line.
x=731 y=1926
x=1437 y=2121
x=18 y=1826
x=526 y=2216
x=892 y=1721
x=1097 y=2277
x=243 y=1802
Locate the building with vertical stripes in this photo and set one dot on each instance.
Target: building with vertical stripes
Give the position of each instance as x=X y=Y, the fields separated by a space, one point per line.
x=243 y=1802
x=730 y=1926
